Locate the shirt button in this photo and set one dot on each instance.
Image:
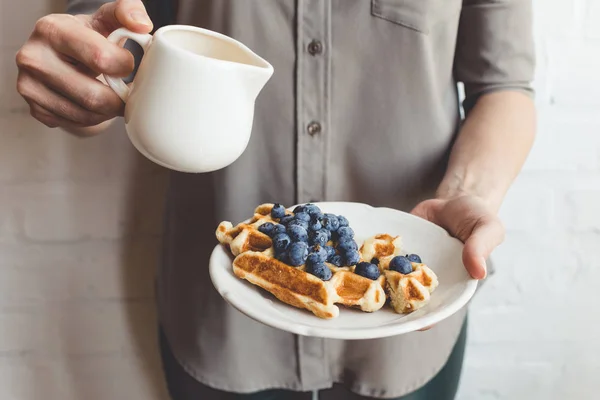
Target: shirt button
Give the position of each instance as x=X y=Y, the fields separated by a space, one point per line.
x=315 y=47
x=314 y=128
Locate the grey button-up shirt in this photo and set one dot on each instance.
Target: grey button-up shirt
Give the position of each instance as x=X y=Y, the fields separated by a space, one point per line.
x=363 y=106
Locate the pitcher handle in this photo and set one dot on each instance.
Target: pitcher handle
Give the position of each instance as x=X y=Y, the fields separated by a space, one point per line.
x=118 y=37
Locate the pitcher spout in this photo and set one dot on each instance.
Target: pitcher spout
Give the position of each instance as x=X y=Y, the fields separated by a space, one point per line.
x=255 y=74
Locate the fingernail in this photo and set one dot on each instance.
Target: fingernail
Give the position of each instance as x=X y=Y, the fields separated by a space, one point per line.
x=140 y=18
x=484 y=265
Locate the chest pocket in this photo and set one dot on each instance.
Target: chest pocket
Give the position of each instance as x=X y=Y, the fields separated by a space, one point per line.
x=418 y=15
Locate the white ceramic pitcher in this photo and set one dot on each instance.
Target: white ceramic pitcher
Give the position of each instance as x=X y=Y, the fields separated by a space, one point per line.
x=191 y=105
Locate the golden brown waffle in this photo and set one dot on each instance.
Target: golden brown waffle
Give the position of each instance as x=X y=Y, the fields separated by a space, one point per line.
x=294 y=286
x=408 y=292
x=254 y=262
x=246 y=236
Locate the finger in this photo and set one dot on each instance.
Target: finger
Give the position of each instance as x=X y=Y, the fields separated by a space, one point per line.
x=426 y=328
x=428 y=209
x=53 y=121
x=44 y=116
x=85 y=91
x=487 y=234
x=130 y=14
x=68 y=36
x=35 y=92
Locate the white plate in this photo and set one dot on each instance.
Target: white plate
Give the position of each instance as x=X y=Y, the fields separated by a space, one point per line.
x=442 y=253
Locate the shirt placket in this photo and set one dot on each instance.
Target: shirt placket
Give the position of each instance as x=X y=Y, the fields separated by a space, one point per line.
x=312 y=112
x=312 y=98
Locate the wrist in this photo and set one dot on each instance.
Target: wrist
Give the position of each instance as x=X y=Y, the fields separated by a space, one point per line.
x=461 y=183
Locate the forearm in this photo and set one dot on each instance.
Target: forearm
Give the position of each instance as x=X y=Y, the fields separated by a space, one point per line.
x=491 y=148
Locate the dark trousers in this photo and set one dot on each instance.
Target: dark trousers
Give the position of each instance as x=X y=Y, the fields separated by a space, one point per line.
x=182 y=386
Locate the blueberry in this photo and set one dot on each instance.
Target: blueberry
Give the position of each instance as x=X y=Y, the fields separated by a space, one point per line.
x=281 y=241
x=351 y=257
x=414 y=258
x=330 y=252
x=314 y=225
x=299 y=209
x=367 y=270
x=312 y=259
x=321 y=271
x=319 y=237
x=312 y=209
x=302 y=216
x=286 y=220
x=375 y=260
x=346 y=244
x=318 y=215
x=267 y=228
x=278 y=211
x=297 y=233
x=343 y=221
x=298 y=222
x=401 y=264
x=337 y=260
x=330 y=222
x=320 y=252
x=282 y=256
x=345 y=231
x=297 y=253
x=278 y=228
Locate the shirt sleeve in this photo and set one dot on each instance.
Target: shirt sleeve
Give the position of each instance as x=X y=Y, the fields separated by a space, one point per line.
x=84 y=6
x=494 y=49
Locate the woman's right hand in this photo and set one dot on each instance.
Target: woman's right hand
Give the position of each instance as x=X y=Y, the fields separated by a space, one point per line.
x=62 y=59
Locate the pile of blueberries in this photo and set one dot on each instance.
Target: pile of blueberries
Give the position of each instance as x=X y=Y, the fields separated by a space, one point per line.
x=302 y=238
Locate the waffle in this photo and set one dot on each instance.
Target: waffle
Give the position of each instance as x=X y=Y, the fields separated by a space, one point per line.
x=408 y=292
x=246 y=236
x=255 y=262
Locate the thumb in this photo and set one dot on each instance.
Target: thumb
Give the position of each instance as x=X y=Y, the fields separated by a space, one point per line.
x=130 y=14
x=487 y=234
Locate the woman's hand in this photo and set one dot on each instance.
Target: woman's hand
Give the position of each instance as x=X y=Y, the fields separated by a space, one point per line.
x=469 y=219
x=64 y=55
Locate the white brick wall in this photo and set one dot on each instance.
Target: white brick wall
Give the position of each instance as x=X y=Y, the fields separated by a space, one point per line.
x=533 y=334
x=80 y=226
x=79 y=238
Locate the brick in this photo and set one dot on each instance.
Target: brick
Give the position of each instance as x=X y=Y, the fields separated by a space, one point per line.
x=38 y=275
x=573 y=77
x=65 y=211
x=592 y=29
x=588 y=252
x=74 y=378
x=81 y=329
x=586 y=378
x=23 y=383
x=528 y=205
x=69 y=212
x=19 y=20
x=558 y=145
x=556 y=18
x=32 y=152
x=495 y=383
x=10 y=100
x=541 y=279
x=526 y=269
x=581 y=210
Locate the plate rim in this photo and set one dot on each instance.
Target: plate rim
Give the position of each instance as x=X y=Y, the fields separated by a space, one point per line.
x=392 y=329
